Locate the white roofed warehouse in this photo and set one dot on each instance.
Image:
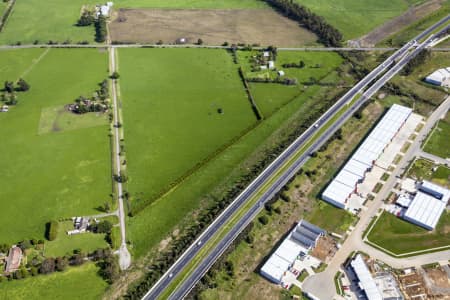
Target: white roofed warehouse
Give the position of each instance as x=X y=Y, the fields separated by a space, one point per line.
x=346 y=181
x=439 y=77
x=427 y=205
x=299 y=241
x=366 y=281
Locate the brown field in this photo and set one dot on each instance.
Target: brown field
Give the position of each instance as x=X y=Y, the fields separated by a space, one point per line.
x=213 y=26
x=389 y=28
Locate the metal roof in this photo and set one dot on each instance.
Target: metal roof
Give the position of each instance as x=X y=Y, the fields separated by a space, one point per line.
x=425 y=210
x=366 y=280
x=343 y=185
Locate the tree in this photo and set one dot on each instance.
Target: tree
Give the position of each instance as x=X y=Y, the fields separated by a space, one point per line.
x=9 y=86
x=52 y=230
x=104 y=227
x=109 y=269
x=199 y=42
x=77 y=259
x=23 y=85
x=302 y=64
x=61 y=263
x=263 y=219
x=115 y=75
x=100 y=29
x=107 y=207
x=47 y=266
x=86 y=19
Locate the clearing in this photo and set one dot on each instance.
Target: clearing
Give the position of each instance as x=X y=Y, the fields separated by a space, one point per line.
x=355 y=18
x=51 y=176
x=424 y=169
x=54 y=20
x=399 y=236
x=80 y=282
x=213 y=26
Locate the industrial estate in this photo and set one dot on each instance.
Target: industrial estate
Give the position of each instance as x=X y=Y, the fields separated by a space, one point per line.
x=234 y=149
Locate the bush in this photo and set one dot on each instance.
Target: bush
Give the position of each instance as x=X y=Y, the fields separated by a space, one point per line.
x=263 y=219
x=52 y=230
x=115 y=75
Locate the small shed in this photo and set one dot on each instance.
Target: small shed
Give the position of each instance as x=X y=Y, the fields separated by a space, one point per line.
x=14 y=259
x=280 y=73
x=5 y=108
x=271 y=64
x=266 y=54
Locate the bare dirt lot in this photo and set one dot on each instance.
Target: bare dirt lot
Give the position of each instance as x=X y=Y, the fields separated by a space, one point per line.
x=214 y=27
x=411 y=15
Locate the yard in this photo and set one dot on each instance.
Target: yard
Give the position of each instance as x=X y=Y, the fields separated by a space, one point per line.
x=330 y=218
x=53 y=20
x=60 y=173
x=355 y=18
x=75 y=283
x=399 y=236
x=65 y=244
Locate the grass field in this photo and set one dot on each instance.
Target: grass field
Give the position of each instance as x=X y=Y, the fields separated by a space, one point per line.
x=171 y=103
x=355 y=18
x=65 y=244
x=62 y=174
x=439 y=142
x=399 y=236
x=186 y=4
x=43 y=21
x=78 y=283
x=331 y=218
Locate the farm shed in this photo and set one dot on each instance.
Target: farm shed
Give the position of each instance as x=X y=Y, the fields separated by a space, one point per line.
x=345 y=183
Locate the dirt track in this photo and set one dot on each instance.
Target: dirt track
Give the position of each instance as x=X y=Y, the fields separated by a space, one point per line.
x=396 y=24
x=214 y=27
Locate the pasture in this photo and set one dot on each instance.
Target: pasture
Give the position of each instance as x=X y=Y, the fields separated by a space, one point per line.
x=212 y=26
x=75 y=283
x=180 y=106
x=354 y=18
x=399 y=236
x=54 y=20
x=58 y=174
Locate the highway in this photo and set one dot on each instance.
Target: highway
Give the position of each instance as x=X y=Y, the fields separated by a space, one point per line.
x=269 y=173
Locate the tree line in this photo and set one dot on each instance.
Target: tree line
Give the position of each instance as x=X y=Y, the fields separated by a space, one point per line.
x=328 y=35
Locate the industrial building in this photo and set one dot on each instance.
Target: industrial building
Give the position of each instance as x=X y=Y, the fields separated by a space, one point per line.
x=299 y=241
x=345 y=183
x=366 y=281
x=427 y=206
x=439 y=77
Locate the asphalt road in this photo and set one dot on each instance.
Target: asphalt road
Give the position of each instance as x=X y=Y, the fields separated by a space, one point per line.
x=274 y=168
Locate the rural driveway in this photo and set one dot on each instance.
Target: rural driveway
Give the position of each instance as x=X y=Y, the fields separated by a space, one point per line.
x=321 y=285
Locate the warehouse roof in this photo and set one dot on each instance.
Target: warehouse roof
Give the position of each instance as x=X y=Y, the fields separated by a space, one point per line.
x=437 y=189
x=343 y=185
x=425 y=210
x=439 y=76
x=366 y=281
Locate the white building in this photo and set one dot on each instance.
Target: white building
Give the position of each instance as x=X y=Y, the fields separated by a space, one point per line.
x=428 y=205
x=439 y=77
x=271 y=64
x=346 y=181
x=300 y=240
x=366 y=281
x=281 y=73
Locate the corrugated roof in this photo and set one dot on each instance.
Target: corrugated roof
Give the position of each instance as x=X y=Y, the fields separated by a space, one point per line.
x=425 y=210
x=365 y=278
x=338 y=191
